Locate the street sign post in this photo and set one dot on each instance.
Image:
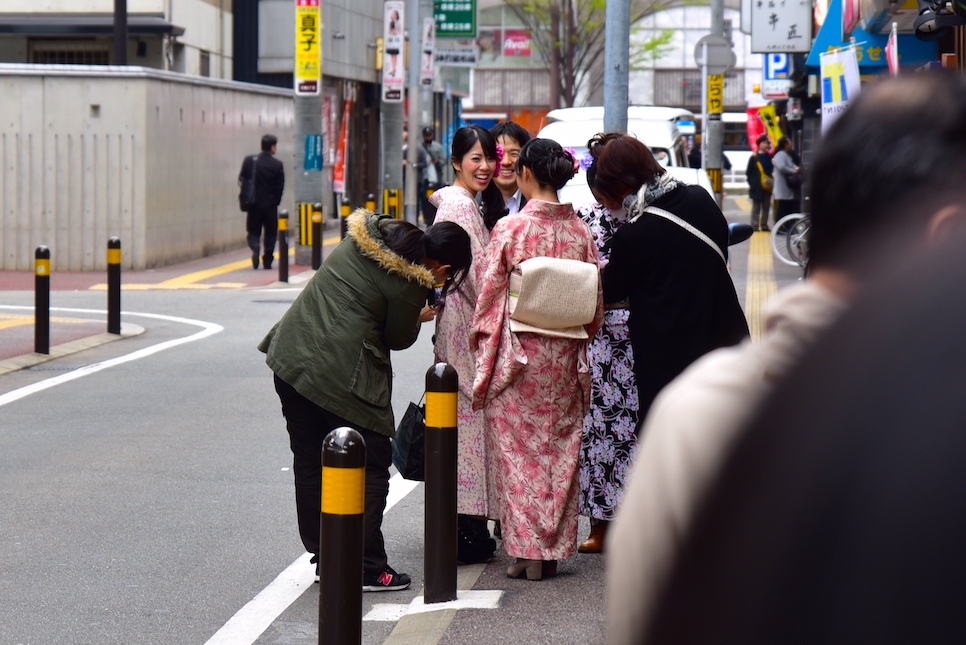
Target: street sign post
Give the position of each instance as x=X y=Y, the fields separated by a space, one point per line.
x=777 y=78
x=455 y=18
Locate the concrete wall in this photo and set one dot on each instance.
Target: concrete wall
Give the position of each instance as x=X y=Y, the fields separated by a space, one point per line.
x=149 y=156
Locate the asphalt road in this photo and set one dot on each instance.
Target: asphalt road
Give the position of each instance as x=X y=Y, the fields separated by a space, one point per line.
x=150 y=501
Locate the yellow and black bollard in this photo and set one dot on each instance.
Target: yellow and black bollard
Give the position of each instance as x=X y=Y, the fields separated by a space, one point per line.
x=114 y=285
x=42 y=300
x=391 y=202
x=439 y=557
x=283 y=246
x=316 y=235
x=371 y=202
x=342 y=530
x=344 y=209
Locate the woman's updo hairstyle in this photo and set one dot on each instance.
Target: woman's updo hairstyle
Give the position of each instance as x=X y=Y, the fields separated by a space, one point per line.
x=492 y=204
x=624 y=164
x=550 y=164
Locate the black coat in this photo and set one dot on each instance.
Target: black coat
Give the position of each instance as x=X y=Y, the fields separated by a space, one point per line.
x=682 y=300
x=269 y=180
x=753 y=175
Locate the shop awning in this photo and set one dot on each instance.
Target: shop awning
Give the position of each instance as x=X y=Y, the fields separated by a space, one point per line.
x=76 y=24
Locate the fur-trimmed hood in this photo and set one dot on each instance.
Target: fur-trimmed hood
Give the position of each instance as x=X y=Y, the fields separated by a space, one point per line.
x=363 y=228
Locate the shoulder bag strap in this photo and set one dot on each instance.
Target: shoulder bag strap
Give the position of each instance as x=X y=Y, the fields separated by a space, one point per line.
x=660 y=212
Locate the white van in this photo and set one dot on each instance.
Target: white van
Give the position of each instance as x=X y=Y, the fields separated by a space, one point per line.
x=644 y=112
x=662 y=137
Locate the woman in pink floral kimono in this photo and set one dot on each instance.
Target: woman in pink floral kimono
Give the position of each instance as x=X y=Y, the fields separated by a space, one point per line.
x=475 y=159
x=534 y=389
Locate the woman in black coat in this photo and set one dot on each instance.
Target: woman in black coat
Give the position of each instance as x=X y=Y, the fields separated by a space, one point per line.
x=680 y=294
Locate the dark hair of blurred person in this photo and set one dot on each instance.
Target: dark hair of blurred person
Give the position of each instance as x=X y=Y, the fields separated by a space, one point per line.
x=904 y=144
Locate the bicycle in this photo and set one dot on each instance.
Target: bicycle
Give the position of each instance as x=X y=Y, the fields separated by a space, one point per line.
x=789 y=239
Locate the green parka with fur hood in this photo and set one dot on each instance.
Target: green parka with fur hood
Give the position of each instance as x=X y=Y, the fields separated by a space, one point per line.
x=333 y=343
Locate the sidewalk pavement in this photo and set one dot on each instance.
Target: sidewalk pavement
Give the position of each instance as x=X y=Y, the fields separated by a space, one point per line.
x=74 y=332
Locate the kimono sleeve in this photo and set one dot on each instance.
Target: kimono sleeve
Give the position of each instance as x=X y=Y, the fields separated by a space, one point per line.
x=490 y=316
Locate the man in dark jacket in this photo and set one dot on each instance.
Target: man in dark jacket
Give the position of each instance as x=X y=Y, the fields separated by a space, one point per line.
x=760 y=198
x=269 y=184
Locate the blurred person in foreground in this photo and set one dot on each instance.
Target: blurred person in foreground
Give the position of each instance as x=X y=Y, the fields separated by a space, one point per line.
x=868 y=204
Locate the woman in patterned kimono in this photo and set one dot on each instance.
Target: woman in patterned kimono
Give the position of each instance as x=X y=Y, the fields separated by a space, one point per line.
x=609 y=441
x=474 y=160
x=534 y=389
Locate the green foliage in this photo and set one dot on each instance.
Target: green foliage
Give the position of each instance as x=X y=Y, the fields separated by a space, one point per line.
x=650 y=50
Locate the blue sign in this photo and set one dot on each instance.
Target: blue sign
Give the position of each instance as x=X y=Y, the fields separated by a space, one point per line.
x=313 y=152
x=869 y=47
x=777 y=67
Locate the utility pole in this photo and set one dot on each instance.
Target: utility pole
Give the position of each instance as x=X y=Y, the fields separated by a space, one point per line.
x=120 y=32
x=713 y=127
x=414 y=25
x=617 y=43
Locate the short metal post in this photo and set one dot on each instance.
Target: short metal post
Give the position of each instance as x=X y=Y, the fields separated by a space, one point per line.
x=42 y=300
x=439 y=556
x=283 y=246
x=316 y=235
x=342 y=530
x=371 y=202
x=114 y=285
x=344 y=209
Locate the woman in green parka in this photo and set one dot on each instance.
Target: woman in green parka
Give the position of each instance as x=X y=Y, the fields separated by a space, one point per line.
x=330 y=356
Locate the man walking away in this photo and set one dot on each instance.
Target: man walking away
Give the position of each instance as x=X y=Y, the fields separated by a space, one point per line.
x=269 y=176
x=432 y=173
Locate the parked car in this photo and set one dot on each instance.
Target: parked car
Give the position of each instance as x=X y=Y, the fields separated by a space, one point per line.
x=665 y=141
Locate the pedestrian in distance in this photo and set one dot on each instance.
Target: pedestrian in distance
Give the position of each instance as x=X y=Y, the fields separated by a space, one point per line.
x=511 y=137
x=474 y=162
x=787 y=178
x=609 y=434
x=531 y=385
x=760 y=176
x=871 y=208
x=676 y=282
x=432 y=180
x=330 y=354
x=268 y=175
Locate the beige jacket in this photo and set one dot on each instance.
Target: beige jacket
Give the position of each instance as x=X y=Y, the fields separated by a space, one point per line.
x=687 y=434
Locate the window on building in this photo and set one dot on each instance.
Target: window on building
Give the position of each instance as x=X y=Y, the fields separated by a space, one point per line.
x=69 y=52
x=204 y=66
x=504 y=41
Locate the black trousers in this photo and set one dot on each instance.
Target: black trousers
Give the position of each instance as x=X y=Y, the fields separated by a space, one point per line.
x=308 y=424
x=254 y=223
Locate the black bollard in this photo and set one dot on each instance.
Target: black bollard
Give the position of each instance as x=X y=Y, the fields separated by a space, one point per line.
x=316 y=236
x=342 y=530
x=283 y=246
x=42 y=300
x=344 y=209
x=439 y=556
x=114 y=285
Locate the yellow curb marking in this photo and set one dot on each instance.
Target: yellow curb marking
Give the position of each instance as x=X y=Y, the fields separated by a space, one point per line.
x=7 y=321
x=191 y=280
x=761 y=280
x=743 y=203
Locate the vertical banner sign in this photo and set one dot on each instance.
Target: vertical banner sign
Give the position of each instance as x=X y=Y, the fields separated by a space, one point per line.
x=313 y=152
x=840 y=83
x=393 y=63
x=308 y=50
x=715 y=96
x=338 y=174
x=429 y=51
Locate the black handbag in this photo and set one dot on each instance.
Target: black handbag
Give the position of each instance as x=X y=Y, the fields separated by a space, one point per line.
x=409 y=446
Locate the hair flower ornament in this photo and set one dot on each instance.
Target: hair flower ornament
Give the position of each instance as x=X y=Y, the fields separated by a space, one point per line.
x=573 y=155
x=586 y=160
x=499 y=154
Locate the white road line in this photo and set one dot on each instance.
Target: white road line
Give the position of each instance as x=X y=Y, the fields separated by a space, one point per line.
x=208 y=329
x=253 y=619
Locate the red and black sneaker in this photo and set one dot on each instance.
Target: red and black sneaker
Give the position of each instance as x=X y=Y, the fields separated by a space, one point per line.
x=388 y=580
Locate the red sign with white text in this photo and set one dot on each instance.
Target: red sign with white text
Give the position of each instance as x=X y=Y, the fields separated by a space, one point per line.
x=516 y=43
